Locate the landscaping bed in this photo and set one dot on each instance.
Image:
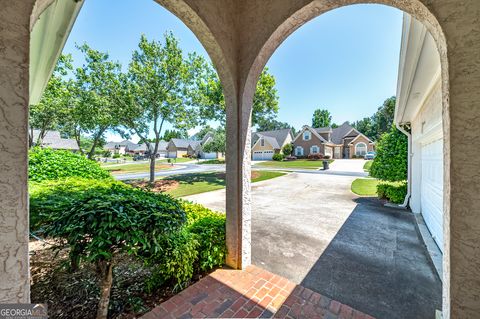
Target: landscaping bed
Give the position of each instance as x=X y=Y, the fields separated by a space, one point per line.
x=295 y=164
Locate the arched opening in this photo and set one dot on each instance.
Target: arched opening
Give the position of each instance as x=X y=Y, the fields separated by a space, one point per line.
x=437 y=78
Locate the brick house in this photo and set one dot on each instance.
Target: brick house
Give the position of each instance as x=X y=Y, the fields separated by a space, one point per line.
x=341 y=142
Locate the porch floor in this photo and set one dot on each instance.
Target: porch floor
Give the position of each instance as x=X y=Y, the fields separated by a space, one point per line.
x=251 y=293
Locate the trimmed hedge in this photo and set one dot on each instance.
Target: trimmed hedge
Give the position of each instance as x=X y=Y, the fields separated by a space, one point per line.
x=394 y=192
x=278 y=157
x=48 y=164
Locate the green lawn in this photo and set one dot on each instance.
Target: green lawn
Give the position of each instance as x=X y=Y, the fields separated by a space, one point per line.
x=367 y=166
x=365 y=186
x=213 y=161
x=190 y=184
x=305 y=164
x=140 y=167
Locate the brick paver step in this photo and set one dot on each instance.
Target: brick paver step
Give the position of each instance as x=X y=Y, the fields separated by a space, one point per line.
x=251 y=293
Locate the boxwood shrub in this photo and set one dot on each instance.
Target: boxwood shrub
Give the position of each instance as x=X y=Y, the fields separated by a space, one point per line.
x=394 y=192
x=49 y=164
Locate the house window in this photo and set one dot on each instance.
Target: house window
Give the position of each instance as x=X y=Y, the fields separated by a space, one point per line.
x=360 y=149
x=306 y=135
x=314 y=149
x=298 y=151
x=262 y=142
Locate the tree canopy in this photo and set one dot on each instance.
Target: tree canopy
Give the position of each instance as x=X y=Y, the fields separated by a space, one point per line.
x=321 y=118
x=378 y=123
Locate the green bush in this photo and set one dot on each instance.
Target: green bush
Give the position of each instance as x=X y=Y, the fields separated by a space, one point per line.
x=174 y=261
x=277 y=157
x=393 y=192
x=287 y=150
x=116 y=155
x=209 y=227
x=48 y=164
x=390 y=163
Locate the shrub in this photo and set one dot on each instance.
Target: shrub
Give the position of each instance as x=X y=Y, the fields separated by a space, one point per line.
x=48 y=164
x=390 y=163
x=290 y=158
x=315 y=157
x=209 y=226
x=277 y=157
x=326 y=157
x=174 y=260
x=394 y=192
x=99 y=222
x=287 y=149
x=116 y=155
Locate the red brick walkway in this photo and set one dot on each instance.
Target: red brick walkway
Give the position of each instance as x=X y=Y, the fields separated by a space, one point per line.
x=252 y=293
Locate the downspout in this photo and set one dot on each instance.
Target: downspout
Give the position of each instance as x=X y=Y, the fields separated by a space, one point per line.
x=409 y=166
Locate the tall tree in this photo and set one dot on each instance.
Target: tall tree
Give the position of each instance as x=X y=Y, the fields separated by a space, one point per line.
x=265 y=101
x=271 y=125
x=157 y=89
x=321 y=118
x=378 y=123
x=92 y=110
x=204 y=131
x=218 y=143
x=51 y=109
x=169 y=134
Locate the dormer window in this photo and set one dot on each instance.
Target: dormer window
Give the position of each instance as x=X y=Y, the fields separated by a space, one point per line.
x=307 y=135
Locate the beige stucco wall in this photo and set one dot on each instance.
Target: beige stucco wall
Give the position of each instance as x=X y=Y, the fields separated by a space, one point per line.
x=240 y=36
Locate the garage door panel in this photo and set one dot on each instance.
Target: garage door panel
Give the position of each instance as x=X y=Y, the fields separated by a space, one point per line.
x=432 y=189
x=262 y=155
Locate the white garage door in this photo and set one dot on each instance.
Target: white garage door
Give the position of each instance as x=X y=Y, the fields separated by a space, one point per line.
x=262 y=155
x=209 y=155
x=432 y=189
x=172 y=154
x=328 y=151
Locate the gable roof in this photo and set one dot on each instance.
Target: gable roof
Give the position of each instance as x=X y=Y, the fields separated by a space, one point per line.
x=53 y=140
x=275 y=138
x=340 y=132
x=314 y=131
x=126 y=143
x=327 y=129
x=184 y=143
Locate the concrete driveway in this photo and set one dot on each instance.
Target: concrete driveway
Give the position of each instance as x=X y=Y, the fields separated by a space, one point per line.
x=311 y=229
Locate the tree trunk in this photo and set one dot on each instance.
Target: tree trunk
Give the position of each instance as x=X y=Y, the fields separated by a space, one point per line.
x=105 y=267
x=152 y=168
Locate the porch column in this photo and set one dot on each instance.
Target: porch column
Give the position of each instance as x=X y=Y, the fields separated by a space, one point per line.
x=238 y=201
x=14 y=68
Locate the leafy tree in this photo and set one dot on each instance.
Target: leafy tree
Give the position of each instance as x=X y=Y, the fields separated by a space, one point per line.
x=378 y=123
x=218 y=143
x=272 y=125
x=158 y=88
x=390 y=163
x=334 y=125
x=212 y=101
x=287 y=149
x=169 y=134
x=204 y=131
x=51 y=109
x=321 y=118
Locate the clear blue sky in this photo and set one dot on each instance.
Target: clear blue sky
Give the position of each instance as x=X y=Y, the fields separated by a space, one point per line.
x=345 y=60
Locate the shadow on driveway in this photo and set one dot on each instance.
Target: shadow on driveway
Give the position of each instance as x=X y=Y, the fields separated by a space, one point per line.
x=378 y=264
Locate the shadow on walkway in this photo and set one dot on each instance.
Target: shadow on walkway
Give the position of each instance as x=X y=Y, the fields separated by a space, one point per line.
x=377 y=263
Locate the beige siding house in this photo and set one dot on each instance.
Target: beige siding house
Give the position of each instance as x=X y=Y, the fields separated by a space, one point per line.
x=265 y=144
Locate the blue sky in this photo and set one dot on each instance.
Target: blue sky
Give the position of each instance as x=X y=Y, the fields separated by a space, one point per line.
x=345 y=60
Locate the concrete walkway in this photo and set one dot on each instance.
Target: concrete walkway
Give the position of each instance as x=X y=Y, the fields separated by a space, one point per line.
x=311 y=229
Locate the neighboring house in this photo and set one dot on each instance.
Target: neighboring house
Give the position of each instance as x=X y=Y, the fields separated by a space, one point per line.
x=265 y=144
x=122 y=148
x=341 y=142
x=142 y=149
x=178 y=147
x=419 y=106
x=53 y=140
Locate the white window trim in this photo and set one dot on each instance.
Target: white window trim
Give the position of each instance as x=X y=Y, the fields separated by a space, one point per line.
x=361 y=143
x=311 y=149
x=296 y=151
x=309 y=135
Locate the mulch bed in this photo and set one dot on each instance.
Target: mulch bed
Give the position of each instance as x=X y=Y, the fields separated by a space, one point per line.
x=75 y=295
x=161 y=185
